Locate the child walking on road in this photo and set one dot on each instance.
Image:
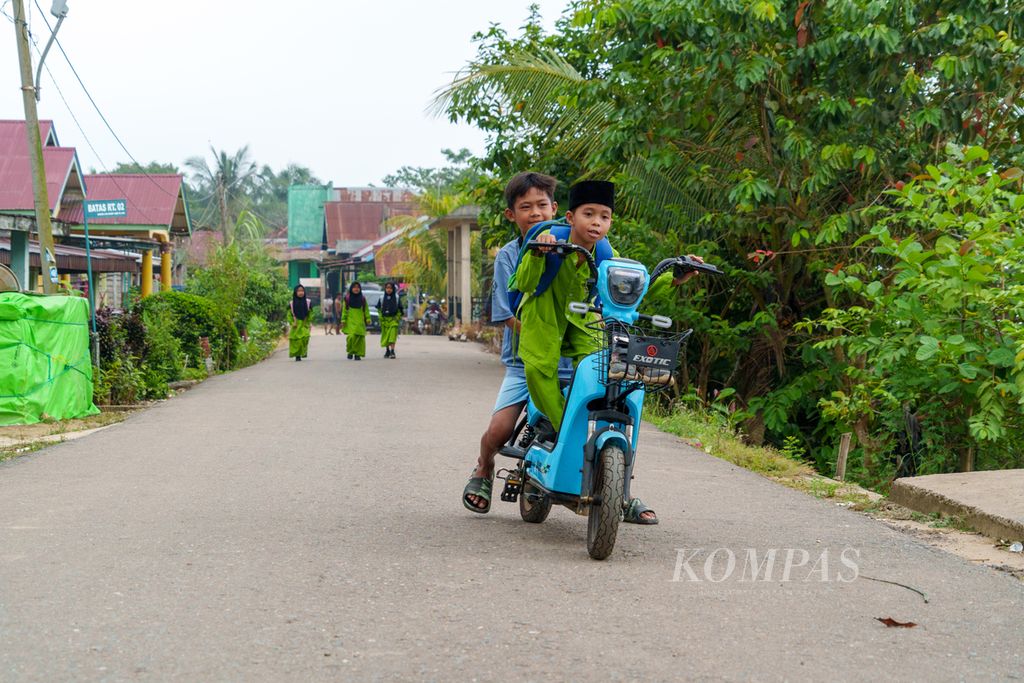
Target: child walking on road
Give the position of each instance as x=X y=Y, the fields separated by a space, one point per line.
x=390 y=316
x=299 y=324
x=355 y=317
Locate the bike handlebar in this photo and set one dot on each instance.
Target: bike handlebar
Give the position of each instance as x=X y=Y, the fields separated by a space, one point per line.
x=563 y=249
x=684 y=264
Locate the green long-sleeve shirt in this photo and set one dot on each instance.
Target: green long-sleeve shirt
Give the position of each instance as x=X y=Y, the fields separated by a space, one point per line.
x=548 y=329
x=354 y=320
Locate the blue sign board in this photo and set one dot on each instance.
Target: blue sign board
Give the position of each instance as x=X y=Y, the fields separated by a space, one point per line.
x=105 y=208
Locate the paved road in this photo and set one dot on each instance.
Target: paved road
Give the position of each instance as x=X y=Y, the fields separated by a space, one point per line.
x=301 y=521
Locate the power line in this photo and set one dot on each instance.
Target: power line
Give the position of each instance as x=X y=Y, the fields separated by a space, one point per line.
x=96 y=106
x=88 y=141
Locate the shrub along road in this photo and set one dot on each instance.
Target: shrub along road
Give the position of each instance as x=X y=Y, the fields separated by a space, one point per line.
x=295 y=521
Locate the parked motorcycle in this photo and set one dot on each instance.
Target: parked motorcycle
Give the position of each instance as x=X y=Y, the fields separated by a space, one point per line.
x=433 y=319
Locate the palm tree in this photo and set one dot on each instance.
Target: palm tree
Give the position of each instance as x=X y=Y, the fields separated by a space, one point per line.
x=427 y=262
x=549 y=96
x=227 y=180
x=560 y=119
x=536 y=86
x=427 y=247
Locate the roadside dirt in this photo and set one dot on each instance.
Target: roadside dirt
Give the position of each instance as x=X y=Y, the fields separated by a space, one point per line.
x=973 y=547
x=14 y=435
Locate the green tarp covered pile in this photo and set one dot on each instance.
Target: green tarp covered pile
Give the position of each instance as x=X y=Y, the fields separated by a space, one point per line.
x=45 y=368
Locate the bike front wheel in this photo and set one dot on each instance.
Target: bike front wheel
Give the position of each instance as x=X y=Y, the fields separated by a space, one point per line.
x=603 y=520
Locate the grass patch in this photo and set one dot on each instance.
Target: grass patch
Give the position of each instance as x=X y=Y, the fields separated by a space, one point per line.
x=937 y=520
x=713 y=434
x=18 y=440
x=11 y=452
x=49 y=426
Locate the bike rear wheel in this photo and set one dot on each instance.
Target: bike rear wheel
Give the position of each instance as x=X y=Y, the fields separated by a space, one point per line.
x=603 y=520
x=535 y=511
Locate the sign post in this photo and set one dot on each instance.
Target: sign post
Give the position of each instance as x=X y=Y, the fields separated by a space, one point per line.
x=98 y=208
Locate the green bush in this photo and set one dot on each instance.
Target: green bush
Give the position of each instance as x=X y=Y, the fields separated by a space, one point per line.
x=263 y=339
x=194 y=374
x=936 y=332
x=194 y=317
x=163 y=353
x=120 y=335
x=243 y=282
x=118 y=382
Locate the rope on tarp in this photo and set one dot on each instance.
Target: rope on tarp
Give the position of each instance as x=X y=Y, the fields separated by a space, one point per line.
x=53 y=322
x=68 y=367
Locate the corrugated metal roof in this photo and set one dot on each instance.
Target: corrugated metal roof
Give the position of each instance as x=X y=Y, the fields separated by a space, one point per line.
x=16 y=177
x=63 y=175
x=13 y=140
x=358 y=222
x=202 y=244
x=371 y=248
x=73 y=259
x=386 y=195
x=155 y=200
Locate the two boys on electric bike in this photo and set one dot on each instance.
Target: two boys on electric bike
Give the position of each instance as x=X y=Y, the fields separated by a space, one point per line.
x=548 y=335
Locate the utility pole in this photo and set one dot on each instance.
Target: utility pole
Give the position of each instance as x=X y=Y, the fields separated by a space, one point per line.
x=47 y=260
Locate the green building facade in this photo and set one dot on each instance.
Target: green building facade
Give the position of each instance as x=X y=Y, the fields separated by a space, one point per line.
x=305 y=229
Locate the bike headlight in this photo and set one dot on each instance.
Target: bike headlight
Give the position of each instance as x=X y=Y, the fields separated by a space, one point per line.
x=625 y=285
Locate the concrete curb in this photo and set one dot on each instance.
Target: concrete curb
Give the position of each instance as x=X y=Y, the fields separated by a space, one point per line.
x=931 y=494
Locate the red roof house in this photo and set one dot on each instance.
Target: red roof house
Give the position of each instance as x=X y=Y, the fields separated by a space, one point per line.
x=64 y=182
x=357 y=218
x=156 y=203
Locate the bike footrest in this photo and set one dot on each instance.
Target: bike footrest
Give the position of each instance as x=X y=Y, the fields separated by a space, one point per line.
x=513 y=485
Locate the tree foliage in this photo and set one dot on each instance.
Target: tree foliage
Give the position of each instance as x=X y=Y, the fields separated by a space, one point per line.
x=233 y=185
x=459 y=173
x=440 y=191
x=770 y=137
x=227 y=182
x=242 y=281
x=939 y=329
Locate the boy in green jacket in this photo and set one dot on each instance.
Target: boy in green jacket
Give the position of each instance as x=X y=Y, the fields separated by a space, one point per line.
x=548 y=329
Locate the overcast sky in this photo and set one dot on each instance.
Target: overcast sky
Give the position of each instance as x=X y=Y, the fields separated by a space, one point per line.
x=341 y=87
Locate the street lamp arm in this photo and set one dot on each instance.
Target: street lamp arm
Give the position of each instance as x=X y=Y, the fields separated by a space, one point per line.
x=42 y=58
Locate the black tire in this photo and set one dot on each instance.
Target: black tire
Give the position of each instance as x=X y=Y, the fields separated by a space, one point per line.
x=603 y=520
x=533 y=512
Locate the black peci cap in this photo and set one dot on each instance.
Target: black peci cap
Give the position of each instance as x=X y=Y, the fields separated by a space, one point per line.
x=592 y=192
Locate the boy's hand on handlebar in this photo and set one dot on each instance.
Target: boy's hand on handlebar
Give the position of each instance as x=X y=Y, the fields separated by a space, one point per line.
x=547 y=238
x=679 y=278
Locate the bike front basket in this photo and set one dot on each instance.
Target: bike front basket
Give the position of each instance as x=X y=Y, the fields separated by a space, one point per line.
x=633 y=357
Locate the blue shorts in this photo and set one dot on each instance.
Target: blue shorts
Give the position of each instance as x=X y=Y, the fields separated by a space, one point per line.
x=513 y=389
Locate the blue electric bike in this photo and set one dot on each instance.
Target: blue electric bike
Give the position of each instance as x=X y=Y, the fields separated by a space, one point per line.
x=587 y=466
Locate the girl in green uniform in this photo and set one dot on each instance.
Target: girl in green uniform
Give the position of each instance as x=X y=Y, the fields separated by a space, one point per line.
x=357 y=313
x=299 y=323
x=390 y=315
